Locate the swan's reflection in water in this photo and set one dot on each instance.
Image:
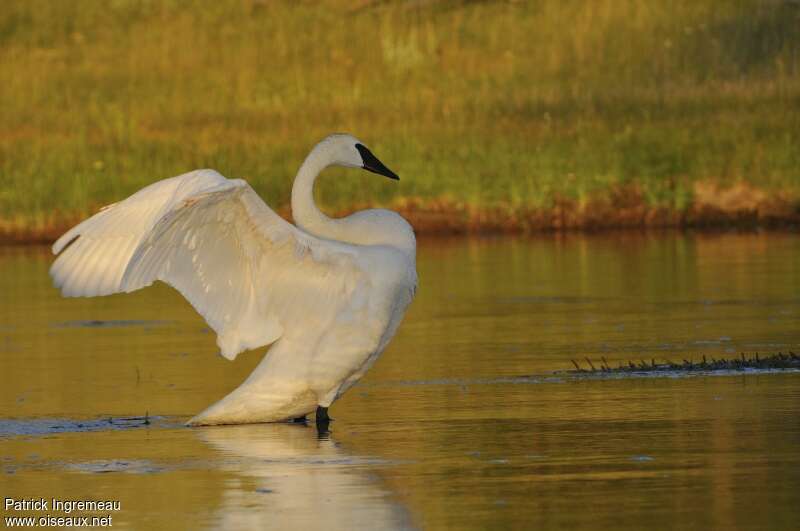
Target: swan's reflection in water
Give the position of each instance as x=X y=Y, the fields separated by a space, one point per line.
x=286 y=476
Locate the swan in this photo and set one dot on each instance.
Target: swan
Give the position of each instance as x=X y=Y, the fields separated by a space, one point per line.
x=327 y=294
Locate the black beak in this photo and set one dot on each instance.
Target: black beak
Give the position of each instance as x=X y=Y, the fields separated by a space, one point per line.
x=371 y=163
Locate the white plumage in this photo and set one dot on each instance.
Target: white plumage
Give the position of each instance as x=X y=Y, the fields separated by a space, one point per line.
x=328 y=294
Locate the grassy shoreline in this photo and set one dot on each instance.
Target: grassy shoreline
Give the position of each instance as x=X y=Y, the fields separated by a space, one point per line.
x=497 y=115
x=740 y=207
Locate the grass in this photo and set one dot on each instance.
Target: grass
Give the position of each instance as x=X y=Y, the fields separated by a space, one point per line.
x=512 y=107
x=771 y=362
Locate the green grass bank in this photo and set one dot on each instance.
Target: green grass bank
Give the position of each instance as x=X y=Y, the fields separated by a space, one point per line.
x=497 y=115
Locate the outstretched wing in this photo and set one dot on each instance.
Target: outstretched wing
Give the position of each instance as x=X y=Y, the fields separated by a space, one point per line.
x=103 y=245
x=243 y=268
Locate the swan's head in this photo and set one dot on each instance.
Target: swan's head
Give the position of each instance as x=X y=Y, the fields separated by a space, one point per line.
x=347 y=150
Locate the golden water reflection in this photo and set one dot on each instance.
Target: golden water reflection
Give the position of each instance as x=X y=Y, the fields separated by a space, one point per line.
x=460 y=424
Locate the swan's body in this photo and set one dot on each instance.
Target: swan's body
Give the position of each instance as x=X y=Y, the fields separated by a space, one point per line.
x=328 y=294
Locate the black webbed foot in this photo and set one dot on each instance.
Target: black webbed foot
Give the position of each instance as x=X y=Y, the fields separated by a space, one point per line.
x=323 y=422
x=322 y=414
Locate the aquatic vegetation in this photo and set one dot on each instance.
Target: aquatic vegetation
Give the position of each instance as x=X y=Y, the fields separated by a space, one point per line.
x=771 y=361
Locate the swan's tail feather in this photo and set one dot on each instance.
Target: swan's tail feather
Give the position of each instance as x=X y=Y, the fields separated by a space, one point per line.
x=245 y=407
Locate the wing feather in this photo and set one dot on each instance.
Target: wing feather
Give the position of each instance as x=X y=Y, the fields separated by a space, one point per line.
x=102 y=245
x=242 y=267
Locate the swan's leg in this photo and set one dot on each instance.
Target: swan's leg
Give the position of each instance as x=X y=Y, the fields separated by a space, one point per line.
x=323 y=422
x=322 y=415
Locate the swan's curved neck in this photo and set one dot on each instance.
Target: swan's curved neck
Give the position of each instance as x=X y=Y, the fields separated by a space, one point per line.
x=304 y=211
x=369 y=227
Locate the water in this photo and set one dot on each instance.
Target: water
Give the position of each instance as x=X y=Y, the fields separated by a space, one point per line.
x=462 y=424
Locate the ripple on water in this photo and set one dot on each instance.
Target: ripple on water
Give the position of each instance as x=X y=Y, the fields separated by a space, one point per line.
x=120 y=323
x=105 y=466
x=50 y=426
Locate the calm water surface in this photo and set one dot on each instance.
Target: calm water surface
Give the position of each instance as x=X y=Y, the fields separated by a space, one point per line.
x=461 y=424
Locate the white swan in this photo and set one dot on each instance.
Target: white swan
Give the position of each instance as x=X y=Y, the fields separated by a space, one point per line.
x=328 y=294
